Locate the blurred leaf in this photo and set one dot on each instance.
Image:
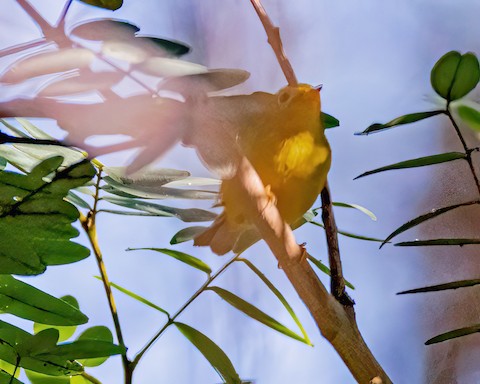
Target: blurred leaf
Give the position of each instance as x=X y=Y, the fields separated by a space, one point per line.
x=443 y=287
x=183 y=257
x=470 y=116
x=186 y=234
x=354 y=206
x=33 y=209
x=427 y=216
x=418 y=243
x=14 y=130
x=99 y=333
x=279 y=296
x=152 y=191
x=137 y=297
x=65 y=332
x=174 y=48
x=69 y=84
x=211 y=81
x=48 y=63
x=329 y=121
x=104 y=29
x=107 y=4
x=322 y=267
x=194 y=182
x=405 y=119
x=167 y=67
x=255 y=313
x=25 y=301
x=348 y=234
x=454 y=75
x=454 y=334
x=419 y=162
x=3 y=163
x=186 y=215
x=152 y=178
x=212 y=352
x=15 y=340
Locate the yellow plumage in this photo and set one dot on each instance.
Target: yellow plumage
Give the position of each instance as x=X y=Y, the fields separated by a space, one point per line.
x=284 y=140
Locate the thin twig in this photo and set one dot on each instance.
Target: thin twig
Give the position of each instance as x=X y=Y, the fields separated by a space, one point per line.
x=337 y=282
x=273 y=35
x=88 y=224
x=468 y=151
x=171 y=320
x=61 y=20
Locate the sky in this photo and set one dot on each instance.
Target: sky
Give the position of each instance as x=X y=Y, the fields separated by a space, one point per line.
x=373 y=59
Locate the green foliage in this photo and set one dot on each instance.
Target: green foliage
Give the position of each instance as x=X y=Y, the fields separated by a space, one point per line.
x=215 y=356
x=23 y=300
x=452 y=77
x=32 y=206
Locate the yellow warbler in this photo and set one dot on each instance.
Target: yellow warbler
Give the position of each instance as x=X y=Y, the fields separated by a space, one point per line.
x=284 y=140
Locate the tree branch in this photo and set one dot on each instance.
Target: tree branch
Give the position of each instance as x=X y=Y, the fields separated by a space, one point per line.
x=335 y=324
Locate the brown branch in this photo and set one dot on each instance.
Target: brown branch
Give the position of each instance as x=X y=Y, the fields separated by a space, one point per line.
x=335 y=324
x=273 y=35
x=337 y=282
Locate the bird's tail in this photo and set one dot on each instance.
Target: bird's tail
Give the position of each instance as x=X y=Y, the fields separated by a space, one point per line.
x=220 y=236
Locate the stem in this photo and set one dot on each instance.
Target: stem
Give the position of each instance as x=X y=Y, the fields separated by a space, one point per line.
x=273 y=35
x=88 y=224
x=171 y=320
x=468 y=151
x=63 y=14
x=90 y=378
x=337 y=282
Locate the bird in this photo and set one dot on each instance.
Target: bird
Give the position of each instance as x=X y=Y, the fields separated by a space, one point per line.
x=283 y=138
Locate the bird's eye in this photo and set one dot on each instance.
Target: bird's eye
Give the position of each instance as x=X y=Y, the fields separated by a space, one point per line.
x=284 y=96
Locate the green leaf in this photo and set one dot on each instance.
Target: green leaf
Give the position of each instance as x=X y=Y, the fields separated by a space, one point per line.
x=422 y=218
x=417 y=243
x=329 y=121
x=106 y=4
x=212 y=352
x=25 y=301
x=443 y=287
x=186 y=234
x=6 y=378
x=3 y=163
x=322 y=267
x=33 y=130
x=100 y=333
x=137 y=297
x=405 y=119
x=279 y=296
x=454 y=75
x=255 y=313
x=419 y=162
x=15 y=340
x=84 y=349
x=354 y=206
x=181 y=256
x=186 y=215
x=348 y=234
x=40 y=378
x=77 y=200
x=65 y=332
x=36 y=221
x=454 y=334
x=470 y=116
